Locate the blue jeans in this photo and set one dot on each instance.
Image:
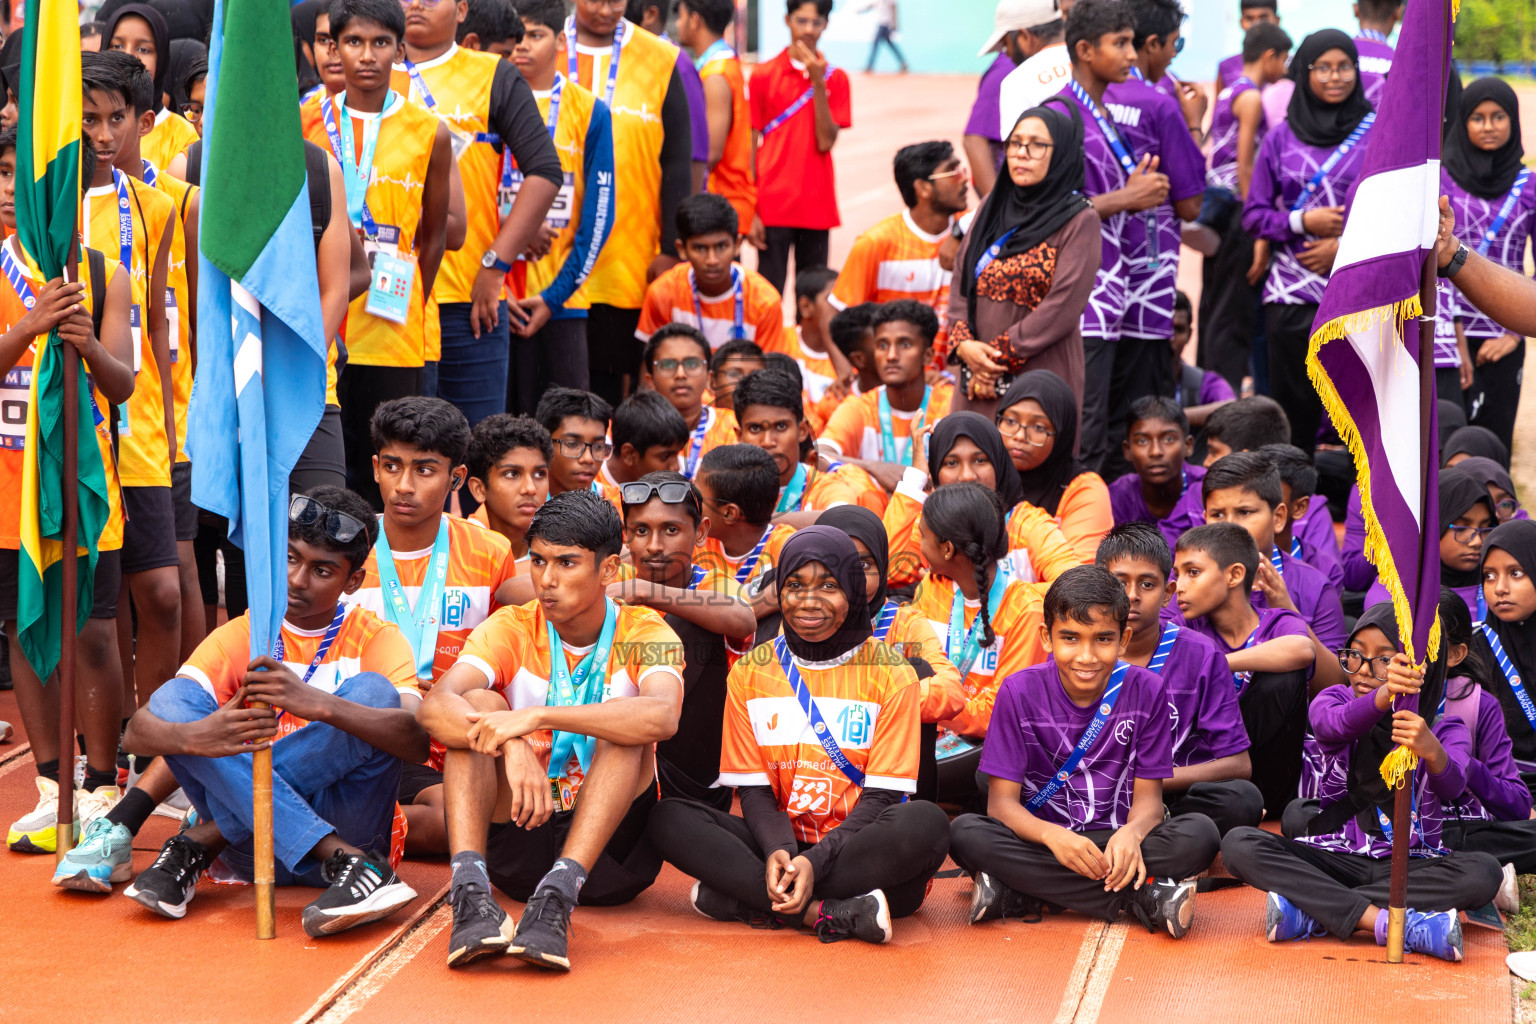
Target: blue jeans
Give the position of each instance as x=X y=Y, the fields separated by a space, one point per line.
x=324 y=780
x=472 y=373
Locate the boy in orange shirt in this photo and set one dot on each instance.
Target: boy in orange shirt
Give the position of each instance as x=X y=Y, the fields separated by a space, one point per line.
x=648 y=437
x=676 y=359
x=710 y=290
x=550 y=719
x=701 y=26
x=740 y=484
x=578 y=423
x=728 y=366
x=509 y=476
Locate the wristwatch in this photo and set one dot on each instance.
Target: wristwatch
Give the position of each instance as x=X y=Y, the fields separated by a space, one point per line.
x=1459 y=260
x=491 y=261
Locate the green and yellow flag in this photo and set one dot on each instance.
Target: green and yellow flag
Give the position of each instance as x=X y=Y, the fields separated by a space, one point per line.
x=47 y=215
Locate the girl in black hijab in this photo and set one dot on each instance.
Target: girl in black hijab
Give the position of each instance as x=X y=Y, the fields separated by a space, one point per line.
x=1334 y=879
x=1473 y=441
x=156 y=60
x=1312 y=117
x=840 y=852
x=126 y=30
x=1486 y=173
x=1464 y=509
x=1507 y=639
x=185 y=54
x=1506 y=503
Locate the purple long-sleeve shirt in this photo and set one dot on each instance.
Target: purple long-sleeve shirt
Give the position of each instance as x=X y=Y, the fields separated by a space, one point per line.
x=1375 y=61
x=1494 y=788
x=1474 y=216
x=1358 y=573
x=1281 y=172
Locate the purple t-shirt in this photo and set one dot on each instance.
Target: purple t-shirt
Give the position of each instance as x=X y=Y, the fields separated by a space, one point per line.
x=1315 y=598
x=1103 y=173
x=1494 y=790
x=1128 y=505
x=1153 y=125
x=1315 y=529
x=1339 y=719
x=1187 y=514
x=698 y=112
x=1202 y=387
x=1474 y=216
x=1375 y=61
x=1280 y=174
x=1229 y=70
x=1358 y=573
x=1035 y=728
x=1273 y=623
x=986 y=112
x=1207 y=723
x=1224 y=132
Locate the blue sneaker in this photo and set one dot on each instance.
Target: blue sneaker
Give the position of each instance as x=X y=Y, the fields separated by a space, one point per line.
x=104 y=856
x=1283 y=921
x=1438 y=934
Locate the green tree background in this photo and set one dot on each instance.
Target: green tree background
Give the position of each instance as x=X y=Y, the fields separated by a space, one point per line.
x=1502 y=32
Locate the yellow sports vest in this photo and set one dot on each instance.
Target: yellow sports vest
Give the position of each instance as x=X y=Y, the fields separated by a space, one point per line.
x=576 y=106
x=170 y=136
x=179 y=305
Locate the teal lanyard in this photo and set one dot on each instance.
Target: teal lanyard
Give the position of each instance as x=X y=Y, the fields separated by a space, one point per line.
x=888 y=449
x=356 y=173
x=963 y=654
x=568 y=689
x=420 y=624
x=794 y=492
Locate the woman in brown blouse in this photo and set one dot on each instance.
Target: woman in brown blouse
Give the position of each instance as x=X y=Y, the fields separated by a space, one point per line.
x=1025 y=268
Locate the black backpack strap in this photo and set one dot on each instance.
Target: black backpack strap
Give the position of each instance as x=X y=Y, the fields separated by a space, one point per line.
x=317 y=167
x=97 y=267
x=195 y=163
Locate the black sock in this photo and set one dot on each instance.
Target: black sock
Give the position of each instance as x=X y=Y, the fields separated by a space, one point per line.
x=94 y=779
x=132 y=811
x=49 y=769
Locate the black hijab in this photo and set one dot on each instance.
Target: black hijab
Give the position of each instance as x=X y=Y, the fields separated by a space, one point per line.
x=185 y=54
x=1459 y=491
x=1485 y=174
x=985 y=436
x=1518 y=538
x=1475 y=441
x=1451 y=112
x=1044 y=485
x=1032 y=212
x=1488 y=473
x=10 y=62
x=157 y=28
x=833 y=549
x=1366 y=786
x=1313 y=121
x=1452 y=417
x=865 y=527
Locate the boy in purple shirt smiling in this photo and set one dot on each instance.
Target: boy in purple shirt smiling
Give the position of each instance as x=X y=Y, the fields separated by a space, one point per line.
x=1210 y=745
x=1161 y=488
x=1077 y=753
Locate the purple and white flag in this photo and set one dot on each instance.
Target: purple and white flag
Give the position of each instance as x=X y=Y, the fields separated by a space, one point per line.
x=1371 y=356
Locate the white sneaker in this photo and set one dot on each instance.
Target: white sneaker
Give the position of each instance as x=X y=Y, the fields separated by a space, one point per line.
x=1522 y=965
x=1508 y=898
x=174 y=806
x=90 y=806
x=37 y=832
x=6 y=732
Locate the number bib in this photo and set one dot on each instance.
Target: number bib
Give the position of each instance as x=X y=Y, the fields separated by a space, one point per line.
x=559 y=216
x=173 y=323
x=135 y=328
x=15 y=393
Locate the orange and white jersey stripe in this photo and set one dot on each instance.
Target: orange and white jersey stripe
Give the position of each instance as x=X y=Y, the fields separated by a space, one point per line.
x=895 y=259
x=854 y=429
x=816 y=371
x=669 y=300
x=869 y=700
x=941 y=696
x=846 y=485
x=711 y=554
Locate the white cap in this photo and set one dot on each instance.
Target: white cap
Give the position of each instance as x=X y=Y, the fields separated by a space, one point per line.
x=1012 y=15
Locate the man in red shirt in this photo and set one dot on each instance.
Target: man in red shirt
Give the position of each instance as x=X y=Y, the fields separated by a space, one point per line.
x=798 y=105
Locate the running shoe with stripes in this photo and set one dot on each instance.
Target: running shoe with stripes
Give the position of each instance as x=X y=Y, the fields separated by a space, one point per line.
x=866 y=917
x=1436 y=933
x=103 y=856
x=167 y=885
x=37 y=832
x=364 y=888
x=1284 y=920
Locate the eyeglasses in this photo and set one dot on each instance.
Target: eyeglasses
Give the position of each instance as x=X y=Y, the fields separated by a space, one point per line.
x=1506 y=509
x=1465 y=534
x=192 y=112
x=1344 y=72
x=1032 y=150
x=572 y=448
x=1036 y=434
x=1178 y=46
x=340 y=527
x=733 y=375
x=671 y=492
x=1352 y=661
x=953 y=172
x=691 y=366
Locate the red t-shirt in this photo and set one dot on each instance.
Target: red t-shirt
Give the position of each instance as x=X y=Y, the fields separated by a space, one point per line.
x=795 y=184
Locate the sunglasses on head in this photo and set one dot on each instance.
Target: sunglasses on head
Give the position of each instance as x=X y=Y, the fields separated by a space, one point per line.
x=671 y=492
x=339 y=527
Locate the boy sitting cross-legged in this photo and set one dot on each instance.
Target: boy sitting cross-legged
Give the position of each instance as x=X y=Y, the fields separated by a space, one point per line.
x=1077 y=753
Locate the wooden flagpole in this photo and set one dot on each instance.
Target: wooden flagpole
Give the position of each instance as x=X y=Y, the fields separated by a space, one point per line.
x=64 y=830
x=265 y=872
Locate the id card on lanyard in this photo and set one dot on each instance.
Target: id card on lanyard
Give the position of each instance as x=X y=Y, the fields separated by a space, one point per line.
x=421 y=623
x=890 y=451
x=738 y=311
x=559 y=215
x=1492 y=234
x=1122 y=151
x=1095 y=727
x=1309 y=189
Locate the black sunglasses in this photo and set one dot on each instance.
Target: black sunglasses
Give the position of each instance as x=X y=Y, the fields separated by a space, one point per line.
x=340 y=527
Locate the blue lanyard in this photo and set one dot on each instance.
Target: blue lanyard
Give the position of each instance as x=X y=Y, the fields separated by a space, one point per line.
x=886 y=619
x=813 y=714
x=278 y=649
x=570 y=689
x=1482 y=606
x=738 y=314
x=357 y=172
x=420 y=625
x=124 y=222
x=313 y=89
x=1516 y=686
x=1316 y=181
x=795 y=107
x=1295 y=549
x=1504 y=212
x=718 y=50
x=1164 y=648
x=18 y=278
x=744 y=573
x=889 y=452
x=1373 y=35
x=1123 y=153
x=573 y=63
x=993 y=251
x=698 y=577
x=1276 y=560
x=1241 y=679
x=151 y=175
x=794 y=491
x=696 y=443
x=431 y=104
x=964 y=646
x=1095 y=727
x=551 y=122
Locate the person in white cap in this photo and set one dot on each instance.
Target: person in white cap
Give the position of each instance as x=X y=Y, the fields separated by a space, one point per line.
x=1047 y=65
x=983 y=140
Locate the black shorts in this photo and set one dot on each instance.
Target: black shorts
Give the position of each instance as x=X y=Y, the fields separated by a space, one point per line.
x=415 y=779
x=181 y=501
x=109 y=582
x=149 y=533
x=517 y=859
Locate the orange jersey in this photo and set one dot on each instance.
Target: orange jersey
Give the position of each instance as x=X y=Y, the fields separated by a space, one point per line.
x=1038 y=551
x=720 y=428
x=895 y=259
x=511 y=650
x=816 y=371
x=366 y=643
x=846 y=485
x=519 y=566
x=854 y=429
x=1016 y=643
x=670 y=299
x=168 y=139
x=479 y=561
x=179 y=302
x=711 y=555
x=732 y=176
x=309 y=112
x=646 y=66
x=143 y=448
x=869 y=703
x=460 y=83
x=396 y=183
x=1085 y=515
x=16 y=398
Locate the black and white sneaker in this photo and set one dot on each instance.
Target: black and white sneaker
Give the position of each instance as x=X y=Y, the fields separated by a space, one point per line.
x=363 y=888
x=1163 y=904
x=866 y=917
x=166 y=886
x=717 y=906
x=480 y=927
x=541 y=937
x=991 y=900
